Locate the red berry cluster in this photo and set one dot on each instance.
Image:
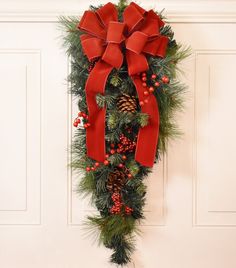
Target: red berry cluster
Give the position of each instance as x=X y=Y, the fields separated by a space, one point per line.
x=116 y=208
x=118 y=205
x=165 y=79
x=129 y=147
x=126 y=170
x=150 y=89
x=125 y=145
x=121 y=165
x=78 y=120
x=106 y=162
x=128 y=210
x=95 y=166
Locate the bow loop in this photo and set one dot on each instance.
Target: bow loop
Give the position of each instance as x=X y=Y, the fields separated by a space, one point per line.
x=93 y=47
x=157 y=46
x=90 y=24
x=136 y=42
x=132 y=17
x=107 y=13
x=151 y=25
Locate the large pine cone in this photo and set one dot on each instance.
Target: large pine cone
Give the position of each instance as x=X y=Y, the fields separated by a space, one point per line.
x=116 y=180
x=127 y=103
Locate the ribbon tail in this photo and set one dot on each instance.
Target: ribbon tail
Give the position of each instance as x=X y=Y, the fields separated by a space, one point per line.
x=95 y=134
x=148 y=136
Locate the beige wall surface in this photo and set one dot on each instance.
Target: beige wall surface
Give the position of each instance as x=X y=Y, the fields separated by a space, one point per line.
x=191 y=204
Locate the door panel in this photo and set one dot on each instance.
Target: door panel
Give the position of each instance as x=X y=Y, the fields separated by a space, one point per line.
x=191 y=203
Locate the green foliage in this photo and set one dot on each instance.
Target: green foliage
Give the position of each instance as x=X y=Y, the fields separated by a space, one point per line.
x=115 y=159
x=116 y=231
x=107 y=101
x=133 y=167
x=113 y=226
x=115 y=80
x=142 y=119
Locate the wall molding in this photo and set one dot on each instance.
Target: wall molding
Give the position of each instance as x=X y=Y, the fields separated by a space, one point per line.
x=204 y=217
x=188 y=11
x=30 y=214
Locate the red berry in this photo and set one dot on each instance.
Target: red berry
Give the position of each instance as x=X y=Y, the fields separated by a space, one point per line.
x=165 y=79
x=106 y=162
x=97 y=164
x=112 y=151
x=151 y=89
x=85 y=125
x=78 y=120
x=144 y=84
x=144 y=79
x=154 y=76
x=80 y=114
x=130 y=176
x=92 y=168
x=144 y=74
x=88 y=168
x=84 y=115
x=107 y=155
x=88 y=124
x=141 y=103
x=145 y=93
x=124 y=157
x=112 y=145
x=75 y=124
x=121 y=165
x=157 y=84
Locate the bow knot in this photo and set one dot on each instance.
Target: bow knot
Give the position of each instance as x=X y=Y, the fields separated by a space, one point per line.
x=115 y=32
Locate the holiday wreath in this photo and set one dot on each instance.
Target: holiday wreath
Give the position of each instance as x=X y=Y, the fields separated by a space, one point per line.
x=123 y=74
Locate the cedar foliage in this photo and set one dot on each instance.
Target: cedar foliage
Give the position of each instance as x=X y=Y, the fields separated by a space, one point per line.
x=116 y=232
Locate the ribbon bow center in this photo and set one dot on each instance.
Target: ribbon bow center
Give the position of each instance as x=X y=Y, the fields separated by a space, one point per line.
x=115 y=32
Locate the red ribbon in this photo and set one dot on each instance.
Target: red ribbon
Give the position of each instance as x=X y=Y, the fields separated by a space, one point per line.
x=104 y=37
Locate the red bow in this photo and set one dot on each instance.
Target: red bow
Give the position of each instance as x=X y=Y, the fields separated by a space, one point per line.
x=104 y=37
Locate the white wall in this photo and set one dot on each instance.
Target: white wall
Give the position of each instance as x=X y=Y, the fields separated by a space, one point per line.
x=191 y=208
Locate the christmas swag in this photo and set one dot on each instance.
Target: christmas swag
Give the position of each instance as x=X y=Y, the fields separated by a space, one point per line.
x=123 y=73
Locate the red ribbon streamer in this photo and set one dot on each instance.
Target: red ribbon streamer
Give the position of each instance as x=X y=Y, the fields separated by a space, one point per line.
x=104 y=37
x=148 y=135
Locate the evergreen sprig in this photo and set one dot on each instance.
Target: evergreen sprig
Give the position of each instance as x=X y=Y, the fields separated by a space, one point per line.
x=116 y=232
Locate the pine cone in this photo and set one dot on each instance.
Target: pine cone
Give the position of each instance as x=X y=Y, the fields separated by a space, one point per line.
x=127 y=103
x=116 y=180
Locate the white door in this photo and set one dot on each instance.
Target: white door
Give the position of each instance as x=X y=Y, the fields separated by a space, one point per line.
x=191 y=208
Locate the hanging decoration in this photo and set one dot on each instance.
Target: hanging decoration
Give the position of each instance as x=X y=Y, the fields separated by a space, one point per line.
x=124 y=75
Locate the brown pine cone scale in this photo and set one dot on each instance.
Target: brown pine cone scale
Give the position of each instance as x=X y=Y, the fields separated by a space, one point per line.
x=127 y=103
